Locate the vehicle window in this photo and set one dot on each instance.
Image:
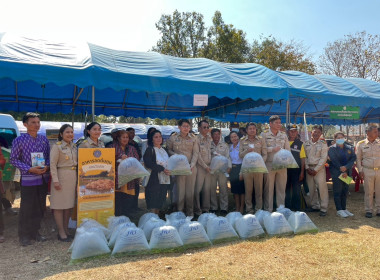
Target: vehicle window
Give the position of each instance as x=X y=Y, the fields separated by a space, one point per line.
x=6 y=137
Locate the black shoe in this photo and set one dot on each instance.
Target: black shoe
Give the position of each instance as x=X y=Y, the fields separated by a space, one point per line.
x=40 y=238
x=9 y=211
x=311 y=210
x=378 y=214
x=368 y=215
x=223 y=212
x=322 y=213
x=195 y=217
x=25 y=241
x=67 y=239
x=213 y=211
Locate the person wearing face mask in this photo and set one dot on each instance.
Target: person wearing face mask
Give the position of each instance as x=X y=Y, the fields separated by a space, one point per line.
x=316 y=157
x=342 y=157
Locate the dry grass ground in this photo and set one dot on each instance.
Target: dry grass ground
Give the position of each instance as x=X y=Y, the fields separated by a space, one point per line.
x=343 y=249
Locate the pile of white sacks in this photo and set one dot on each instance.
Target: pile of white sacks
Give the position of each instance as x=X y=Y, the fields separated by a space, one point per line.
x=153 y=233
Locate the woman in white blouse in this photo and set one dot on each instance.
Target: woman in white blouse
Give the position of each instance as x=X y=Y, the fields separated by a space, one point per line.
x=237 y=185
x=156 y=158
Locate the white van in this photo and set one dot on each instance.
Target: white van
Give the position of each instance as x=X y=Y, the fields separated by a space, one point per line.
x=8 y=130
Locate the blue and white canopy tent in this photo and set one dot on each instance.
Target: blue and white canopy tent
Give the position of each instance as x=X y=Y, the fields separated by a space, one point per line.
x=44 y=76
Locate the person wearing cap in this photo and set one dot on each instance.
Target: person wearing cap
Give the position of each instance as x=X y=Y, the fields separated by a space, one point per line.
x=203 y=180
x=253 y=182
x=342 y=158
x=275 y=140
x=368 y=164
x=295 y=175
x=316 y=157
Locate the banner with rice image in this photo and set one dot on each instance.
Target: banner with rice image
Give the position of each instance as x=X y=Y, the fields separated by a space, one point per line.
x=96 y=184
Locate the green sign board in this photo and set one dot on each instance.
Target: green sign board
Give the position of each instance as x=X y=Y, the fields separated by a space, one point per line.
x=344 y=112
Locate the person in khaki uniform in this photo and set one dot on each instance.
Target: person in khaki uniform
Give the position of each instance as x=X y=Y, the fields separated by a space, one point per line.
x=92 y=133
x=275 y=140
x=186 y=144
x=203 y=169
x=368 y=164
x=219 y=148
x=316 y=156
x=253 y=181
x=63 y=169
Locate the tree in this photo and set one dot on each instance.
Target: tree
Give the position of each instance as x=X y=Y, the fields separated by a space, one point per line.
x=182 y=34
x=278 y=55
x=355 y=55
x=225 y=43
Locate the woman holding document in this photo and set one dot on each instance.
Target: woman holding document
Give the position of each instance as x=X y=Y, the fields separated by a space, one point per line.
x=342 y=157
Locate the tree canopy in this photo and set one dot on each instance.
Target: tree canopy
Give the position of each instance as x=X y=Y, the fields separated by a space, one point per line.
x=356 y=55
x=185 y=35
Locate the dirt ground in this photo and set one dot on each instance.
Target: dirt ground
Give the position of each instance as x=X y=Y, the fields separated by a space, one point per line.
x=236 y=260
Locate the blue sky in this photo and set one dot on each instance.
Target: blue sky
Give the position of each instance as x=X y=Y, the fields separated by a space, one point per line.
x=129 y=25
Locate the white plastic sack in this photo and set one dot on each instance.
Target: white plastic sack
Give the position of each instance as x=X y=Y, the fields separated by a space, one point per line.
x=82 y=230
x=165 y=237
x=233 y=216
x=283 y=159
x=253 y=162
x=175 y=216
x=144 y=218
x=301 y=223
x=88 y=244
x=219 y=229
x=130 y=240
x=130 y=169
x=248 y=226
x=284 y=211
x=90 y=223
x=177 y=223
x=219 y=164
x=276 y=224
x=150 y=225
x=193 y=234
x=260 y=215
x=203 y=218
x=113 y=222
x=116 y=232
x=179 y=165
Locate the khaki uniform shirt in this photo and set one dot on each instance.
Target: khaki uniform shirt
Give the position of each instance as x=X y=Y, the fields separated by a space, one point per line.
x=259 y=146
x=222 y=149
x=368 y=154
x=88 y=143
x=187 y=146
x=272 y=141
x=204 y=158
x=62 y=155
x=316 y=154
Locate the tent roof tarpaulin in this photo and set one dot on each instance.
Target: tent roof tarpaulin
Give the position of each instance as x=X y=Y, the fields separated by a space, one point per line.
x=46 y=76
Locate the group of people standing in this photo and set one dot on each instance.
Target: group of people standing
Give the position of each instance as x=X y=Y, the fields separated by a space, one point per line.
x=196 y=193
